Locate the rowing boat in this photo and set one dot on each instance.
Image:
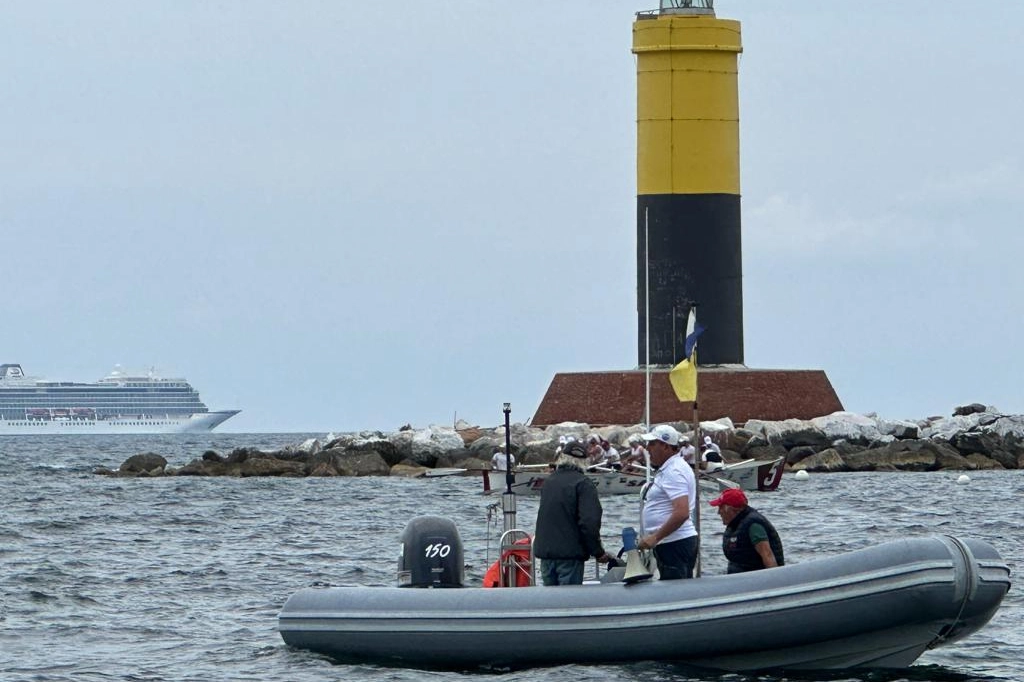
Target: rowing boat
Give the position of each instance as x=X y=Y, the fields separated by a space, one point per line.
x=749 y=474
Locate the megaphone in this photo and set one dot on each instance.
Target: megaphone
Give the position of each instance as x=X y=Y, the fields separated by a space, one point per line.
x=636 y=566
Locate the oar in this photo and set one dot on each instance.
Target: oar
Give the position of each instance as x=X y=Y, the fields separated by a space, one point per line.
x=724 y=482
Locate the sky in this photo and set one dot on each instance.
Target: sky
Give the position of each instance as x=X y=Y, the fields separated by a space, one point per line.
x=338 y=216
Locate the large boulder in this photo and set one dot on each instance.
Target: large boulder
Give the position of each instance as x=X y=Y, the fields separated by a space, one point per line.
x=947 y=428
x=1008 y=425
x=799 y=453
x=947 y=457
x=898 y=428
x=345 y=440
x=964 y=410
x=718 y=426
x=765 y=452
x=740 y=439
x=908 y=456
x=408 y=470
x=271 y=466
x=789 y=433
x=825 y=461
x=471 y=463
x=577 y=430
x=447 y=460
x=983 y=442
x=468 y=435
x=980 y=461
x=616 y=435
x=239 y=455
x=204 y=467
x=486 y=445
x=849 y=426
x=322 y=469
x=386 y=448
x=310 y=446
x=844 y=447
x=424 y=446
x=361 y=463
x=635 y=430
x=322 y=463
x=889 y=458
x=535 y=453
x=520 y=431
x=143 y=463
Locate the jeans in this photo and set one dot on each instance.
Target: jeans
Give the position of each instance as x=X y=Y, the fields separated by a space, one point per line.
x=561 y=571
x=676 y=559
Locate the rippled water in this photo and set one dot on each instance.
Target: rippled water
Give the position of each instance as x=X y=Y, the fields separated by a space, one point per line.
x=182 y=578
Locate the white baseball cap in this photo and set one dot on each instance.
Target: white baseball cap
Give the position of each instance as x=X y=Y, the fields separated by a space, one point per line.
x=664 y=433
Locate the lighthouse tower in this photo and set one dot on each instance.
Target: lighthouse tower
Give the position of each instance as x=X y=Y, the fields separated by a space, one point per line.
x=688 y=182
x=688 y=242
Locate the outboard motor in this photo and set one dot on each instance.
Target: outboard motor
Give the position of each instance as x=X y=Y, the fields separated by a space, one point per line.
x=431 y=554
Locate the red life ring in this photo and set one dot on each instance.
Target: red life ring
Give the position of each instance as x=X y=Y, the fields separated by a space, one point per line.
x=521 y=557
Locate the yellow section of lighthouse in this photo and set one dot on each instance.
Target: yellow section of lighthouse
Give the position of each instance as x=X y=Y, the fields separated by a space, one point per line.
x=687 y=104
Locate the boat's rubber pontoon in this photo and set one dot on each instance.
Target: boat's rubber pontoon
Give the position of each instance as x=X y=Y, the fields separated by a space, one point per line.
x=876 y=607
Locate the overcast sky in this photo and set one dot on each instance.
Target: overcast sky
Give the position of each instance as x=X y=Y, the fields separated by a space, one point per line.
x=339 y=215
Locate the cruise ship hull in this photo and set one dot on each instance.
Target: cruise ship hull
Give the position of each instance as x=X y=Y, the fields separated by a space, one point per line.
x=134 y=424
x=119 y=403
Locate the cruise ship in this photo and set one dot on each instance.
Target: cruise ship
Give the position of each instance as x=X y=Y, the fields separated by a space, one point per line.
x=118 y=403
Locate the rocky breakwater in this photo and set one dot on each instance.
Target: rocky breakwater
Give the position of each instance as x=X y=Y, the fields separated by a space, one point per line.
x=974 y=437
x=407 y=452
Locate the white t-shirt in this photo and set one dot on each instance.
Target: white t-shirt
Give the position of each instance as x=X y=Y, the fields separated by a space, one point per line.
x=498 y=461
x=674 y=479
x=687 y=452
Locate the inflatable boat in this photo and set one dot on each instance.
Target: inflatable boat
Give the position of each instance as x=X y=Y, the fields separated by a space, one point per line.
x=879 y=607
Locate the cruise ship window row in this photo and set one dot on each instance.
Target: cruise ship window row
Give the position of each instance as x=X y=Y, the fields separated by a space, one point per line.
x=100 y=403
x=8 y=395
x=99 y=391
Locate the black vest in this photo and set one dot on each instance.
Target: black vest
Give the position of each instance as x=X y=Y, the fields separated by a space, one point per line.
x=738 y=548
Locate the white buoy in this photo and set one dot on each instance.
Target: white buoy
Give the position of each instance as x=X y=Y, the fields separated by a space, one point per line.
x=963 y=479
x=801 y=475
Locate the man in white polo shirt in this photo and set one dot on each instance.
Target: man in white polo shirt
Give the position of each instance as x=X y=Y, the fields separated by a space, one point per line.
x=669 y=506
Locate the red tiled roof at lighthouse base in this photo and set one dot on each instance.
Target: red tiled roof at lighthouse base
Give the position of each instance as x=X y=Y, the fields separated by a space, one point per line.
x=617 y=397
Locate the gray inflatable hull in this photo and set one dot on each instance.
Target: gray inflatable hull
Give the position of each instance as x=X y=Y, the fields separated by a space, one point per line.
x=877 y=607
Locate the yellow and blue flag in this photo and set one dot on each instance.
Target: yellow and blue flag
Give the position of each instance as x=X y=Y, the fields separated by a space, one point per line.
x=683 y=376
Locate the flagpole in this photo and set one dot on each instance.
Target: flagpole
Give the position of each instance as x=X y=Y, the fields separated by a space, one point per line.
x=647 y=322
x=698 y=458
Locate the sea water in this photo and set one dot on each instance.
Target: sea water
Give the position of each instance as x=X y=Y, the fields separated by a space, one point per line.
x=182 y=578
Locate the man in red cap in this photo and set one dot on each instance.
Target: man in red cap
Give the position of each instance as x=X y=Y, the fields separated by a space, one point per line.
x=750 y=541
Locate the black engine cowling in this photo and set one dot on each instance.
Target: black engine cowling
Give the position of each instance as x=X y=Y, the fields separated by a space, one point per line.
x=431 y=554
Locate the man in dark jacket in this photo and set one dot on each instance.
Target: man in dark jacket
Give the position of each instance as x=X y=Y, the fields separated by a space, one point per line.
x=568 y=520
x=750 y=541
